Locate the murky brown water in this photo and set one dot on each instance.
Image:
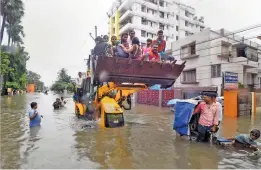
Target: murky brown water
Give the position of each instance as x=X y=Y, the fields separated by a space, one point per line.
x=148 y=141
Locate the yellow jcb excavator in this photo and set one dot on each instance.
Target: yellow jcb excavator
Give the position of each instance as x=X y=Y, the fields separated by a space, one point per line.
x=113 y=80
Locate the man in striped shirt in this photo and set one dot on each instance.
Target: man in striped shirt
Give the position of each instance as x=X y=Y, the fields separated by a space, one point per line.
x=209 y=118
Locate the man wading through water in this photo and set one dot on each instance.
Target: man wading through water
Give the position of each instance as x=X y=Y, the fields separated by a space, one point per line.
x=209 y=118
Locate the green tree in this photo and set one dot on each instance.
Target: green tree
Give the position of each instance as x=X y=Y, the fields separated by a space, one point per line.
x=12 y=11
x=5 y=61
x=63 y=76
x=63 y=82
x=34 y=78
x=14 y=56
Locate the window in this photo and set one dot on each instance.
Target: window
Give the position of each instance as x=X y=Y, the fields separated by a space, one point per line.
x=186 y=23
x=167 y=27
x=177 y=17
x=167 y=15
x=153 y=1
x=177 y=37
x=149 y=35
x=161 y=14
x=161 y=26
x=167 y=38
x=150 y=23
x=189 y=76
x=161 y=3
x=144 y=21
x=143 y=8
x=216 y=71
x=192 y=48
x=143 y=33
x=177 y=28
x=150 y=11
x=187 y=13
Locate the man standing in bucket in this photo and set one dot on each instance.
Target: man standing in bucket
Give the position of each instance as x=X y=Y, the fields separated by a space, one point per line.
x=209 y=118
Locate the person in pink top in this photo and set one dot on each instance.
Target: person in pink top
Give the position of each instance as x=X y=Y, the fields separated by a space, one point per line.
x=146 y=49
x=209 y=118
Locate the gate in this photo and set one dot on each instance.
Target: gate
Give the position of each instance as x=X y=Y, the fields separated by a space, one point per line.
x=244 y=102
x=148 y=97
x=167 y=95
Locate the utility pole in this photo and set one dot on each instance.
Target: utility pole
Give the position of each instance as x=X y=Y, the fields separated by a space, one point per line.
x=95 y=31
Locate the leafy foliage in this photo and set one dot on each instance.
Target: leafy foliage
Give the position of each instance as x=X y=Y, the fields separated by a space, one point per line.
x=12 y=12
x=5 y=61
x=240 y=85
x=13 y=56
x=63 y=82
x=33 y=77
x=63 y=76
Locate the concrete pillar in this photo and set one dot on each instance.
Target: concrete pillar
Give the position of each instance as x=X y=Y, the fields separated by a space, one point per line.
x=160 y=98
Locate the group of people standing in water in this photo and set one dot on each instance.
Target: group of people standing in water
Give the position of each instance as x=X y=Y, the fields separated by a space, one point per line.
x=129 y=46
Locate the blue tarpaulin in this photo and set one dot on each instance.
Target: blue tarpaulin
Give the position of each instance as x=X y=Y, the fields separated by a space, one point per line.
x=172 y=102
x=157 y=87
x=183 y=113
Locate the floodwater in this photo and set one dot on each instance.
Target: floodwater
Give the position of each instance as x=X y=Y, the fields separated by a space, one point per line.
x=147 y=140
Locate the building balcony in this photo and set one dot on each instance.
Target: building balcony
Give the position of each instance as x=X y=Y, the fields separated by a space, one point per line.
x=126 y=15
x=126 y=28
x=186 y=28
x=244 y=61
x=125 y=5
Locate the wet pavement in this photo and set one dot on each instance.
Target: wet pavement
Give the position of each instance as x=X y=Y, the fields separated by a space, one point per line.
x=147 y=140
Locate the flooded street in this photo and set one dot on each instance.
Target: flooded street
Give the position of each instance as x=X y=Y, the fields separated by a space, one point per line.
x=147 y=140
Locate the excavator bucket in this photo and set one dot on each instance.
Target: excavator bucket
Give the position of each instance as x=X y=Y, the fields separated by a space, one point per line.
x=122 y=70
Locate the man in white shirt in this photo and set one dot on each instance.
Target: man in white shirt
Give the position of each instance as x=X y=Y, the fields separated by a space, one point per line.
x=79 y=86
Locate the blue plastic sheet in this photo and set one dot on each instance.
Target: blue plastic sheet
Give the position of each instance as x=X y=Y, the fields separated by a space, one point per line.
x=157 y=87
x=183 y=113
x=173 y=102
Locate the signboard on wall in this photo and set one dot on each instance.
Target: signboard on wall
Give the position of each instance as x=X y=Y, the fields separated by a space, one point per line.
x=230 y=81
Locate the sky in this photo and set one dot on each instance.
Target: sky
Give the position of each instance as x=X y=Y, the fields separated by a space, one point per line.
x=57 y=31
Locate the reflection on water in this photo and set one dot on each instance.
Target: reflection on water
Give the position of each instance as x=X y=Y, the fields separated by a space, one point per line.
x=147 y=140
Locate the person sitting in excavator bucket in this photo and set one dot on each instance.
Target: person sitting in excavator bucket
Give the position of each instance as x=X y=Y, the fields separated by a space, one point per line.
x=102 y=48
x=134 y=51
x=118 y=49
x=153 y=54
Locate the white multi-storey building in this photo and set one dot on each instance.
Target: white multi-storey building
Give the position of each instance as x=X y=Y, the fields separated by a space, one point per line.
x=146 y=17
x=208 y=54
